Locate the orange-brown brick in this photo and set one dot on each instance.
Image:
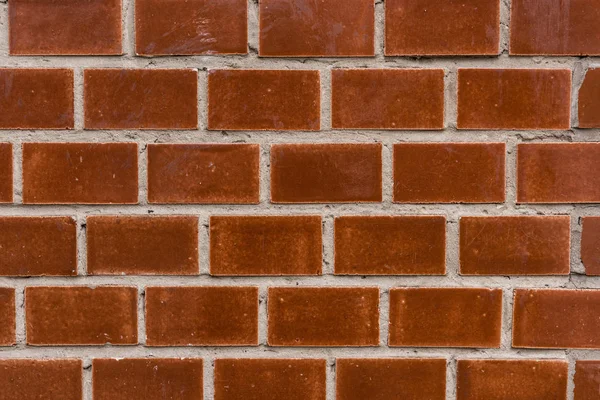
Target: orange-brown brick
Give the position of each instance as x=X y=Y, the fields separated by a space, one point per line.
x=589 y=100
x=36 y=98
x=323 y=316
x=558 y=173
x=26 y=379
x=326 y=173
x=514 y=99
x=142 y=245
x=590 y=245
x=264 y=100
x=6 y=173
x=587 y=375
x=512 y=379
x=33 y=246
x=81 y=315
x=202 y=316
x=147 y=379
x=390 y=378
x=554 y=318
x=203 y=173
x=390 y=245
x=387 y=98
x=7 y=317
x=445 y=317
x=265 y=245
x=270 y=379
x=140 y=98
x=449 y=172
x=518 y=245
x=86 y=173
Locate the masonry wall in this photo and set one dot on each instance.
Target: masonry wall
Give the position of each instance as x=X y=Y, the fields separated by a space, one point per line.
x=230 y=200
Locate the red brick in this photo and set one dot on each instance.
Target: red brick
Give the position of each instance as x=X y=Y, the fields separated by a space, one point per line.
x=36 y=98
x=589 y=100
x=387 y=98
x=203 y=173
x=191 y=27
x=147 y=379
x=442 y=27
x=83 y=173
x=390 y=378
x=270 y=379
x=514 y=99
x=38 y=246
x=512 y=379
x=81 y=315
x=554 y=318
x=7 y=318
x=305 y=28
x=445 y=317
x=558 y=173
x=549 y=27
x=449 y=172
x=140 y=98
x=142 y=245
x=26 y=379
x=6 y=173
x=323 y=316
x=265 y=245
x=519 y=245
x=326 y=173
x=590 y=245
x=65 y=28
x=587 y=378
x=264 y=100
x=390 y=245
x=202 y=316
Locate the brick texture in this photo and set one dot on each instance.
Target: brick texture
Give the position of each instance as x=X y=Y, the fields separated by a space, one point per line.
x=7 y=317
x=590 y=245
x=587 y=373
x=6 y=173
x=589 y=100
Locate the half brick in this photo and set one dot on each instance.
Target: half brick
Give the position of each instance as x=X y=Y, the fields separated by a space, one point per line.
x=7 y=317
x=6 y=173
x=589 y=99
x=587 y=376
x=590 y=245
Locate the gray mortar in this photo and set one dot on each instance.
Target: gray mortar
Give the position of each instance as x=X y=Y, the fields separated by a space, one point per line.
x=452 y=212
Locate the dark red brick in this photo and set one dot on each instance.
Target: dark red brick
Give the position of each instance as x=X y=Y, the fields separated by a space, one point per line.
x=6 y=173
x=7 y=318
x=590 y=245
x=587 y=379
x=589 y=100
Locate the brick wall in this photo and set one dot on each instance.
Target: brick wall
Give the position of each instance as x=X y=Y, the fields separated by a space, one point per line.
x=260 y=200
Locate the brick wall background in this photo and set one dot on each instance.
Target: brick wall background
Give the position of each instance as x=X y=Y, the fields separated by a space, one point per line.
x=164 y=217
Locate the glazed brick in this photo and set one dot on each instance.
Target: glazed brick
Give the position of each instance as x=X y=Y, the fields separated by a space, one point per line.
x=445 y=317
x=305 y=28
x=264 y=100
x=202 y=316
x=140 y=98
x=270 y=379
x=7 y=318
x=147 y=379
x=558 y=173
x=387 y=98
x=265 y=245
x=556 y=319
x=589 y=100
x=81 y=315
x=323 y=316
x=142 y=245
x=519 y=245
x=73 y=28
x=203 y=173
x=514 y=99
x=390 y=378
x=6 y=173
x=38 y=246
x=390 y=245
x=449 y=172
x=590 y=245
x=84 y=173
x=27 y=379
x=587 y=373
x=548 y=27
x=326 y=173
x=446 y=27
x=512 y=379
x=36 y=98
x=191 y=27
